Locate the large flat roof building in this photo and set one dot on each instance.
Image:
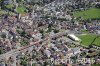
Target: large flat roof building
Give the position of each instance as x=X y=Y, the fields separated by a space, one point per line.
x=73 y=37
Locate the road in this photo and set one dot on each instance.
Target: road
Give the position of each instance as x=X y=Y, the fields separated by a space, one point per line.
x=17 y=51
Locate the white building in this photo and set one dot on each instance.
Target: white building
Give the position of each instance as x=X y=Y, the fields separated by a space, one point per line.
x=73 y=37
x=48 y=53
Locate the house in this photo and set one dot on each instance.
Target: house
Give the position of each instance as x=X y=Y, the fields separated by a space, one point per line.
x=48 y=53
x=29 y=1
x=76 y=51
x=70 y=53
x=2 y=64
x=69 y=65
x=46 y=1
x=37 y=36
x=8 y=1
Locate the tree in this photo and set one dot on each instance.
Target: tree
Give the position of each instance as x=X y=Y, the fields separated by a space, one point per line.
x=45 y=63
x=33 y=64
x=99 y=53
x=1 y=3
x=23 y=33
x=1 y=51
x=3 y=36
x=56 y=31
x=23 y=61
x=49 y=29
x=18 y=1
x=24 y=42
x=42 y=32
x=9 y=7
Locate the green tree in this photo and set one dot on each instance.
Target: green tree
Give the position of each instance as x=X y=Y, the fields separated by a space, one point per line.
x=56 y=31
x=24 y=42
x=42 y=32
x=33 y=64
x=1 y=51
x=49 y=29
x=23 y=33
x=1 y=3
x=10 y=6
x=23 y=61
x=45 y=63
x=18 y=1
x=3 y=36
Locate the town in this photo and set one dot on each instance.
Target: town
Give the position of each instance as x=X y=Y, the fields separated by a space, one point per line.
x=49 y=32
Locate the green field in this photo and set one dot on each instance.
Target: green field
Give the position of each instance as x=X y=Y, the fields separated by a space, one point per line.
x=88 y=39
x=96 y=65
x=9 y=6
x=21 y=9
x=88 y=14
x=97 y=41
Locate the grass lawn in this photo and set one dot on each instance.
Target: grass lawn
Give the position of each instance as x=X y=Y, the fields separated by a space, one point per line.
x=96 y=65
x=84 y=31
x=88 y=14
x=21 y=9
x=88 y=39
x=97 y=41
x=9 y=6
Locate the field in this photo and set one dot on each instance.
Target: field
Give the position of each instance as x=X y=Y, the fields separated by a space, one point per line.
x=21 y=9
x=9 y=6
x=88 y=39
x=97 y=42
x=88 y=14
x=96 y=65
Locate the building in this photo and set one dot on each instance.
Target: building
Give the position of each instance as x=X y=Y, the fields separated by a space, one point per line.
x=97 y=4
x=73 y=37
x=7 y=1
